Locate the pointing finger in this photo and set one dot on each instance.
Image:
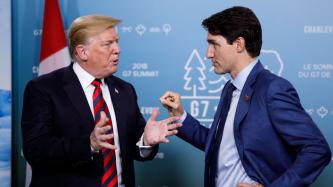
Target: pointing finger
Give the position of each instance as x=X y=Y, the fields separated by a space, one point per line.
x=153 y=115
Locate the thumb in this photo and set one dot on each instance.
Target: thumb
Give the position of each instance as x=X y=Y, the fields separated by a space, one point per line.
x=103 y=119
x=153 y=115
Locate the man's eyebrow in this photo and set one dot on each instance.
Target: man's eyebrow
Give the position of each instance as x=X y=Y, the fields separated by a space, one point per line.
x=111 y=40
x=211 y=41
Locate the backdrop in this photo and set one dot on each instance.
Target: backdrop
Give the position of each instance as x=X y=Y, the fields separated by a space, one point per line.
x=5 y=93
x=163 y=47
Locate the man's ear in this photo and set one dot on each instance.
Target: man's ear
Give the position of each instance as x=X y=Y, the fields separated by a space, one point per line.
x=240 y=44
x=81 y=52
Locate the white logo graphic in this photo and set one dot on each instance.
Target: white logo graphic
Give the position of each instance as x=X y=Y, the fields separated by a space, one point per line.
x=140 y=70
x=318 y=29
x=201 y=101
x=37 y=32
x=166 y=28
x=200 y=68
x=127 y=29
x=140 y=29
x=154 y=29
x=274 y=62
x=35 y=69
x=315 y=71
x=322 y=111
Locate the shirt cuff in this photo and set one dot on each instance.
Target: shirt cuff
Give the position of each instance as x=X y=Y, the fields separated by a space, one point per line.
x=93 y=150
x=145 y=150
x=182 y=118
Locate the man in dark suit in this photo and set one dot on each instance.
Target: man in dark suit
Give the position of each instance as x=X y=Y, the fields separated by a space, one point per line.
x=261 y=135
x=81 y=125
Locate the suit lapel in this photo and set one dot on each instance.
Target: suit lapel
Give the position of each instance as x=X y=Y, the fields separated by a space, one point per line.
x=246 y=95
x=243 y=105
x=77 y=97
x=117 y=98
x=245 y=101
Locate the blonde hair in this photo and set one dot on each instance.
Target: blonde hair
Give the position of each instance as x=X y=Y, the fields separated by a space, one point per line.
x=84 y=27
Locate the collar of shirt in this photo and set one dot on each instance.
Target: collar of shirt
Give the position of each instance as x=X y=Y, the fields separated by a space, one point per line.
x=240 y=80
x=85 y=78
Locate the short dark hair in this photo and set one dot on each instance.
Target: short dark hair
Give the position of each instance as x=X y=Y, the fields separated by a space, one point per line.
x=237 y=22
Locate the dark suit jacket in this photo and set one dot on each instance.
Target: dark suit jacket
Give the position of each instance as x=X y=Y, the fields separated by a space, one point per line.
x=278 y=143
x=56 y=126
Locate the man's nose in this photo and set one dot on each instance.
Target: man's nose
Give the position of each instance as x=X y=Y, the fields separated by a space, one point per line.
x=117 y=49
x=209 y=53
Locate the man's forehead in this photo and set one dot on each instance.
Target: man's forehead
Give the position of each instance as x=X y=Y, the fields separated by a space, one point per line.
x=211 y=37
x=109 y=33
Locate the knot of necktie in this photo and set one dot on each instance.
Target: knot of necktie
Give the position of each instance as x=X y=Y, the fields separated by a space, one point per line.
x=231 y=88
x=96 y=82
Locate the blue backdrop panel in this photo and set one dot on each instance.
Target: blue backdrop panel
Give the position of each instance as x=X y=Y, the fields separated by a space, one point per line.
x=163 y=47
x=5 y=136
x=5 y=94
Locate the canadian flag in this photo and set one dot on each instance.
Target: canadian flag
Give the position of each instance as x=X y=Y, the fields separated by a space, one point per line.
x=54 y=51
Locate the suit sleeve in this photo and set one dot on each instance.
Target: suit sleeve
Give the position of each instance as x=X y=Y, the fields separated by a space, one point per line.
x=298 y=130
x=193 y=132
x=42 y=147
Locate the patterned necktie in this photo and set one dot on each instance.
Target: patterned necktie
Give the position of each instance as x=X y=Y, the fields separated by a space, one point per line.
x=110 y=178
x=215 y=147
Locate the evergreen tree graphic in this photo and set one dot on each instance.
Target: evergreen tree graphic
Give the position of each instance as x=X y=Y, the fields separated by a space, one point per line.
x=195 y=66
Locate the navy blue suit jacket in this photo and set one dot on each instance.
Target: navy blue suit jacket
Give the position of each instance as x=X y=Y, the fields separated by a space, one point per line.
x=278 y=143
x=56 y=126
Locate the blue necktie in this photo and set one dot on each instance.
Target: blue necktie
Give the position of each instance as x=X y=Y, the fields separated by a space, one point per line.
x=215 y=146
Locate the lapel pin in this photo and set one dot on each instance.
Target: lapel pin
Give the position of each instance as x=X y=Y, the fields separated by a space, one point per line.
x=246 y=98
x=116 y=90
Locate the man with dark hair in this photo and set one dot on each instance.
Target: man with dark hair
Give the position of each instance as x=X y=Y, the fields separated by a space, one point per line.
x=261 y=135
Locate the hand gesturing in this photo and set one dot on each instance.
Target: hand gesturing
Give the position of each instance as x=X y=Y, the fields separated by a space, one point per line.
x=157 y=131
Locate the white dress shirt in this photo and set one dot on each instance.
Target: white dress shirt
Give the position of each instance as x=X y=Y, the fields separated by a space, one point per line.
x=85 y=80
x=230 y=168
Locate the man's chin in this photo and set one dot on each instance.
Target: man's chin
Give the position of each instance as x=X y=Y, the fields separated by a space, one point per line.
x=110 y=72
x=219 y=72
